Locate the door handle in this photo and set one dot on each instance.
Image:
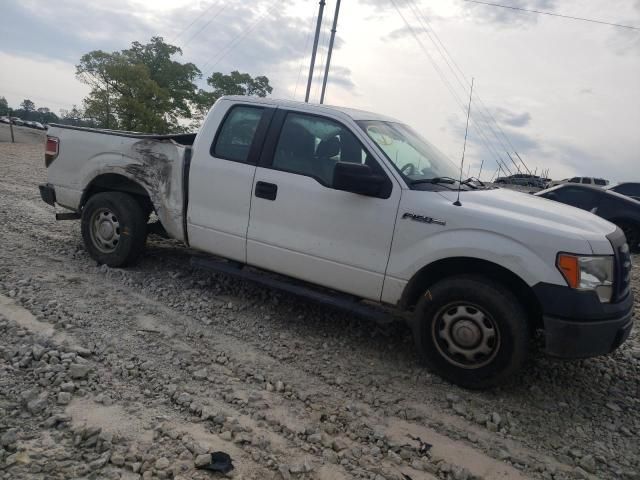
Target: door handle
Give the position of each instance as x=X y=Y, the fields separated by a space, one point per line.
x=266 y=190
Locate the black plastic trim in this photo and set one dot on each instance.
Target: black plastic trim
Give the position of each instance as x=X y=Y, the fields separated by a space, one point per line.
x=570 y=339
x=47 y=193
x=186 y=168
x=566 y=303
x=309 y=291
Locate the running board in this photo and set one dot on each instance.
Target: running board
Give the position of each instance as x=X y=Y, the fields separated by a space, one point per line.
x=311 y=292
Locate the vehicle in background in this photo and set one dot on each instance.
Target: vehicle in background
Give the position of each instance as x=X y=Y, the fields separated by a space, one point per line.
x=30 y=124
x=5 y=120
x=630 y=189
x=619 y=209
x=597 y=182
x=17 y=121
x=355 y=209
x=523 y=179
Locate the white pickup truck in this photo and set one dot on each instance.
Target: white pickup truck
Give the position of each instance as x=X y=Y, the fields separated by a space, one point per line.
x=356 y=209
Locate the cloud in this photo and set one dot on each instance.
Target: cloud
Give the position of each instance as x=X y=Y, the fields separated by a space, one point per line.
x=259 y=37
x=512 y=119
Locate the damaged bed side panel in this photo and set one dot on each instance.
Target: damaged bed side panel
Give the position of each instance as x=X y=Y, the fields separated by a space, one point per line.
x=157 y=166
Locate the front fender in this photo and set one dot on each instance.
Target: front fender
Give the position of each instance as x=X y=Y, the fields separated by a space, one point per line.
x=531 y=266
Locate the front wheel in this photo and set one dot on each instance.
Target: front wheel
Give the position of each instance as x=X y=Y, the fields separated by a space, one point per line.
x=114 y=228
x=471 y=331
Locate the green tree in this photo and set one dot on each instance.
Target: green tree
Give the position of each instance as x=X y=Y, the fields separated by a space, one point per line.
x=72 y=117
x=28 y=106
x=4 y=106
x=143 y=88
x=235 y=83
x=140 y=88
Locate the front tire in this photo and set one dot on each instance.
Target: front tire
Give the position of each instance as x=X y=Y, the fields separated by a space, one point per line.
x=471 y=331
x=114 y=228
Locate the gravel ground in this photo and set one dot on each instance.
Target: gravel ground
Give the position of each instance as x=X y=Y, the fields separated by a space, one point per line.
x=141 y=372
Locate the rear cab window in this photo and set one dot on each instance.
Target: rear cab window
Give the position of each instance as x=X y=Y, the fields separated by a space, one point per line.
x=235 y=135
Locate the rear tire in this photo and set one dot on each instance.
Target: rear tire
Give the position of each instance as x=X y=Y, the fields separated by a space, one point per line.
x=471 y=331
x=114 y=228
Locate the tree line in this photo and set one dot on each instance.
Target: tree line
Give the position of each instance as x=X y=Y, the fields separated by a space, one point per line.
x=27 y=110
x=144 y=89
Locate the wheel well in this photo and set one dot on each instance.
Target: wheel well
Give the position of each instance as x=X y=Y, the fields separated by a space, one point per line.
x=628 y=221
x=448 y=267
x=113 y=182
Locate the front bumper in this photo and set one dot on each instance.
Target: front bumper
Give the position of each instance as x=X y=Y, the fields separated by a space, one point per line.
x=578 y=325
x=47 y=193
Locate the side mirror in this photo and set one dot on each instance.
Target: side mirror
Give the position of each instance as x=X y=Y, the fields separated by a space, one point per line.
x=357 y=178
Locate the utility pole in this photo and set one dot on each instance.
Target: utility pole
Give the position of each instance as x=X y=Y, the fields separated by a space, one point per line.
x=314 y=51
x=11 y=126
x=333 y=36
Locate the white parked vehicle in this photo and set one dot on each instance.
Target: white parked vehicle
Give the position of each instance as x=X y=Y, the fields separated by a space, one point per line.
x=348 y=206
x=596 y=182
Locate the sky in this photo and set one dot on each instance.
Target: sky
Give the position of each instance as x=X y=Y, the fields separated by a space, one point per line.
x=564 y=94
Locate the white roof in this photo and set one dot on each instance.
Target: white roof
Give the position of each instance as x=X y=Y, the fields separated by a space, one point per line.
x=312 y=107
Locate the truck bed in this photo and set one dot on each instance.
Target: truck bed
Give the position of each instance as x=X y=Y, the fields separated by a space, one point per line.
x=91 y=158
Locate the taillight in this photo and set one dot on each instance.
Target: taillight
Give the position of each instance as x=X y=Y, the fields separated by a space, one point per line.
x=51 y=150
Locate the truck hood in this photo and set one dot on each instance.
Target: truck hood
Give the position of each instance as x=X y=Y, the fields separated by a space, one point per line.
x=525 y=213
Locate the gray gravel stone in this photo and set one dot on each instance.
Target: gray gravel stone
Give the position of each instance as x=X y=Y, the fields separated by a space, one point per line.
x=79 y=371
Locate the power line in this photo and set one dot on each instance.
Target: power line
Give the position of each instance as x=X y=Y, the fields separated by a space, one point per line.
x=460 y=103
x=213 y=4
x=306 y=45
x=444 y=52
x=215 y=15
x=228 y=48
x=541 y=12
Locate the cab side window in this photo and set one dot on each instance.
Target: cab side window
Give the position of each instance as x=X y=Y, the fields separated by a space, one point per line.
x=575 y=180
x=235 y=136
x=311 y=146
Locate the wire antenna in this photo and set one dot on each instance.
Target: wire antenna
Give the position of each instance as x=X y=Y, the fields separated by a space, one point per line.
x=464 y=147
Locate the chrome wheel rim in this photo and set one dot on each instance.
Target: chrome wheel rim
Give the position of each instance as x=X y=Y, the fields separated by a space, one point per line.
x=105 y=230
x=465 y=335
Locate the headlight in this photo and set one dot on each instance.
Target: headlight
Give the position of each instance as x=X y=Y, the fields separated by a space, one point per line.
x=588 y=273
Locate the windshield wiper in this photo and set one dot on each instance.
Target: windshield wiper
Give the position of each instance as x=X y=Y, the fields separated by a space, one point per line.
x=434 y=180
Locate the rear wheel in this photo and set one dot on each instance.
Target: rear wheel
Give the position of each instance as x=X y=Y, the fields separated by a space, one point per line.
x=114 y=228
x=471 y=331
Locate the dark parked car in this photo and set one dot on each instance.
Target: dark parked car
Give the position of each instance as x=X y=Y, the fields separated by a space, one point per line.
x=630 y=189
x=523 y=179
x=612 y=206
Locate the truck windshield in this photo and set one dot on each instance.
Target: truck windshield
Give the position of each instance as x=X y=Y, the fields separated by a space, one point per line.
x=415 y=158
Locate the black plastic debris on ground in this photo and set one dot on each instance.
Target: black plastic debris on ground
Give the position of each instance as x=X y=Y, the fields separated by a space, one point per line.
x=220 y=462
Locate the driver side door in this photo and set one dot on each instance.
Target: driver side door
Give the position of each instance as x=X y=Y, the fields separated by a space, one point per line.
x=301 y=226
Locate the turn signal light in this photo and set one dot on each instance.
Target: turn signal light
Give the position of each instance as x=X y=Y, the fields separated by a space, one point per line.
x=570 y=268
